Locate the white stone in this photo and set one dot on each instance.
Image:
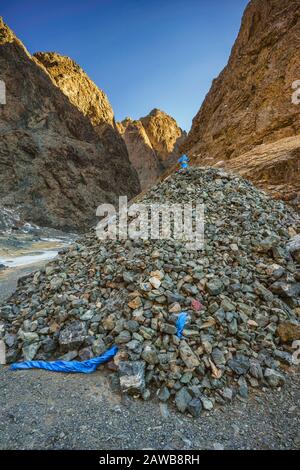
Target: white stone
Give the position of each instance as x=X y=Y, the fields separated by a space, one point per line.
x=2 y=353
x=155 y=282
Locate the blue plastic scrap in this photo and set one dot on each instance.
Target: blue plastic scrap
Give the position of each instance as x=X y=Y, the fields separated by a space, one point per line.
x=183 y=160
x=181 y=321
x=85 y=367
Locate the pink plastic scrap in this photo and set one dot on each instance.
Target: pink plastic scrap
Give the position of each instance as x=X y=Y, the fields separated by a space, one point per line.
x=197 y=305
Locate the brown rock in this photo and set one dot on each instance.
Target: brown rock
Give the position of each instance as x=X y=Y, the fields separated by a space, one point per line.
x=78 y=87
x=141 y=153
x=85 y=95
x=153 y=144
x=135 y=303
x=188 y=356
x=54 y=327
x=273 y=167
x=54 y=166
x=165 y=136
x=288 y=332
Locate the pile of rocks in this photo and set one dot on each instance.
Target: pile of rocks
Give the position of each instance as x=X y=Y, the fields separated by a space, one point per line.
x=240 y=293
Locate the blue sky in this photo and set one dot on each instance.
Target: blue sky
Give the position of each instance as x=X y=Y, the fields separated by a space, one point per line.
x=144 y=54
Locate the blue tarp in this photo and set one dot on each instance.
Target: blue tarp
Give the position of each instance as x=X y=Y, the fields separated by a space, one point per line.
x=183 y=160
x=181 y=321
x=85 y=367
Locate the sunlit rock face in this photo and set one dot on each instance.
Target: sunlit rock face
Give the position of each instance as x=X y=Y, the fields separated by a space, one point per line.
x=153 y=144
x=253 y=102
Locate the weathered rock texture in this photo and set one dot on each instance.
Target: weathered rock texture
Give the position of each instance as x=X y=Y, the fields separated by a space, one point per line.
x=153 y=144
x=274 y=167
x=79 y=88
x=164 y=134
x=250 y=103
x=54 y=166
x=141 y=153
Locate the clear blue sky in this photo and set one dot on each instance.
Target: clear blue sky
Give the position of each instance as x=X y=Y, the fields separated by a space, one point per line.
x=144 y=54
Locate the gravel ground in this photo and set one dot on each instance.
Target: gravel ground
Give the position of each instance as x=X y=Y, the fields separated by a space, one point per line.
x=42 y=410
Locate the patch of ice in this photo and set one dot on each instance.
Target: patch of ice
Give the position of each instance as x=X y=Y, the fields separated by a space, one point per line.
x=56 y=240
x=28 y=259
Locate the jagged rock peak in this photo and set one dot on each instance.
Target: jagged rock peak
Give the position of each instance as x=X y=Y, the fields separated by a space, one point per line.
x=152 y=143
x=141 y=153
x=241 y=306
x=164 y=133
x=79 y=88
x=6 y=34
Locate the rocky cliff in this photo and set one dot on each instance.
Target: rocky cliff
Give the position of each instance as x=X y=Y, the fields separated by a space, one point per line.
x=153 y=144
x=141 y=153
x=54 y=166
x=79 y=88
x=250 y=103
x=241 y=300
x=274 y=167
x=86 y=96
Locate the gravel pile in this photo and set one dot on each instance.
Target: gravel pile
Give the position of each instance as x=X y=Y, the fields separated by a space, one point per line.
x=240 y=293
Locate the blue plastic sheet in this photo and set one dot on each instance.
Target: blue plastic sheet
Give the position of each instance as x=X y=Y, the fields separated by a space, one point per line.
x=181 y=321
x=183 y=160
x=84 y=367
